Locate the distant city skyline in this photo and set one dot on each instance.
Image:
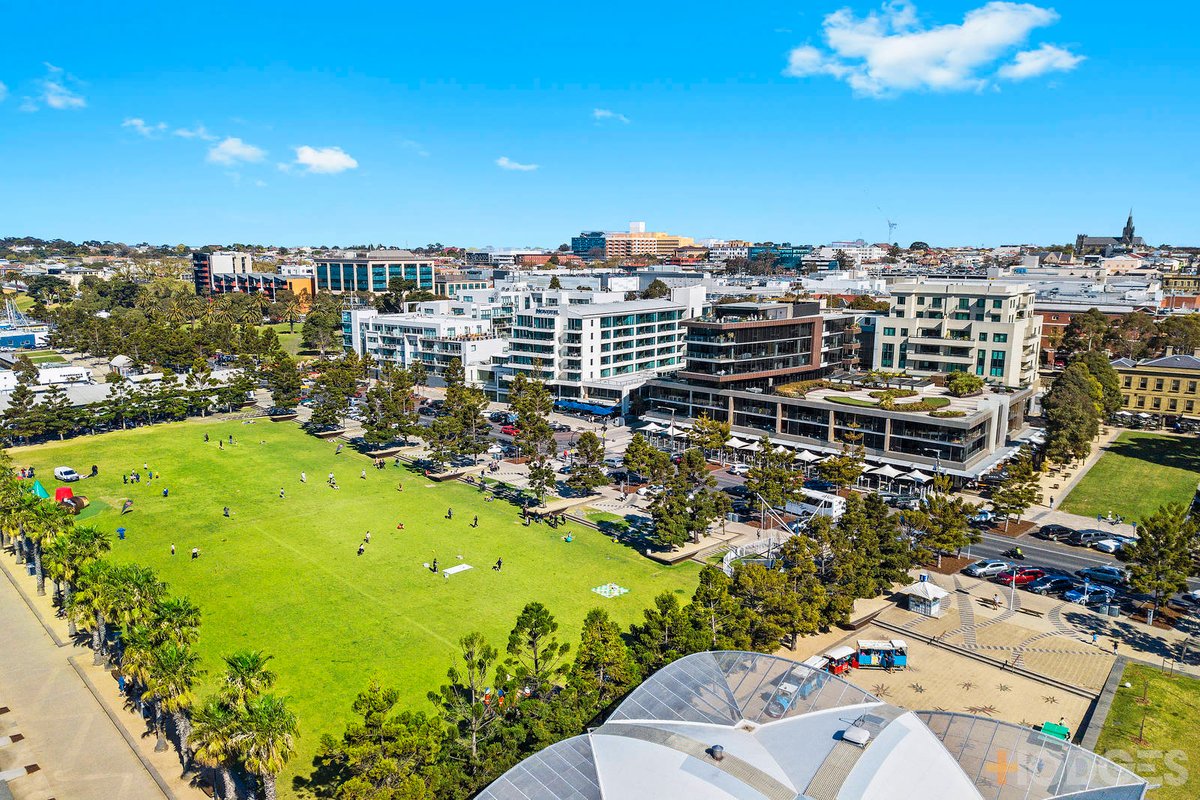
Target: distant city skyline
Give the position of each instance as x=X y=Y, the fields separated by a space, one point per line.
x=966 y=123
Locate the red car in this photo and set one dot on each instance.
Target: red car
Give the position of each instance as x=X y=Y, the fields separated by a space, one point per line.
x=1020 y=576
x=510 y=430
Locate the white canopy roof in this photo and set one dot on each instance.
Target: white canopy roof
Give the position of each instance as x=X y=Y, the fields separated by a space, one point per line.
x=807 y=457
x=916 y=476
x=925 y=589
x=886 y=471
x=753 y=447
x=652 y=427
x=736 y=443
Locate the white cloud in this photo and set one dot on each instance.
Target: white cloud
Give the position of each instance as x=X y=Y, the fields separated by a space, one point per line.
x=600 y=114
x=416 y=147
x=139 y=125
x=324 y=160
x=198 y=132
x=504 y=162
x=233 y=150
x=890 y=51
x=3 y=91
x=57 y=90
x=1032 y=63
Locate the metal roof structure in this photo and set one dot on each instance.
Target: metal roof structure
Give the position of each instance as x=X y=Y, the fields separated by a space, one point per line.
x=735 y=725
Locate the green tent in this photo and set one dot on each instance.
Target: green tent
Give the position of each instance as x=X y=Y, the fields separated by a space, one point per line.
x=40 y=490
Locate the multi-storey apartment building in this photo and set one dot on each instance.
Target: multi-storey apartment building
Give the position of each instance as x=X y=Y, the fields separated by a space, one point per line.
x=1169 y=385
x=595 y=355
x=433 y=339
x=370 y=270
x=939 y=327
x=640 y=242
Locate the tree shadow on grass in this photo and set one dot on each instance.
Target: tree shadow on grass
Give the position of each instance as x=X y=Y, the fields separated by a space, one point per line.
x=1178 y=452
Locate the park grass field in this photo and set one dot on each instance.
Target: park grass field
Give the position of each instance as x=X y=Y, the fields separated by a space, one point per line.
x=282 y=575
x=1170 y=751
x=1139 y=473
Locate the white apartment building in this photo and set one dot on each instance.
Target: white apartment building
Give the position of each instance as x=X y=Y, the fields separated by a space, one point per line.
x=723 y=251
x=939 y=327
x=225 y=262
x=858 y=250
x=593 y=355
x=434 y=339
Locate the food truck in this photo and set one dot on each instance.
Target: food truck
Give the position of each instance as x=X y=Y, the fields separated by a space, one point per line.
x=882 y=653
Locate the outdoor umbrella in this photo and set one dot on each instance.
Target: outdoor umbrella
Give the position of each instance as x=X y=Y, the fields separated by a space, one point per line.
x=653 y=427
x=916 y=476
x=807 y=457
x=887 y=471
x=736 y=443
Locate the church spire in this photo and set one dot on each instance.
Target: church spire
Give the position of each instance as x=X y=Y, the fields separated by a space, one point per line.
x=1127 y=233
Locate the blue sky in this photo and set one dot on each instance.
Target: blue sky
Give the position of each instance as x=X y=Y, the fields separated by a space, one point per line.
x=476 y=123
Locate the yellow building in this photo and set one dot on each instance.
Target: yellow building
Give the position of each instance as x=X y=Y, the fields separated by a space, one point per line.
x=643 y=243
x=1182 y=283
x=1162 y=386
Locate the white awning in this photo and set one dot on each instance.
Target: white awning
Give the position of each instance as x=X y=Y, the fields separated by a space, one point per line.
x=886 y=471
x=653 y=427
x=783 y=451
x=736 y=443
x=1144 y=415
x=807 y=457
x=916 y=476
x=752 y=447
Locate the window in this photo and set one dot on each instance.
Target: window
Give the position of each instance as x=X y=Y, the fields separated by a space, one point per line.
x=1174 y=386
x=1191 y=387
x=904 y=331
x=997 y=304
x=997 y=366
x=892 y=332
x=920 y=299
x=980 y=355
x=961 y=315
x=1189 y=406
x=1127 y=382
x=1142 y=383
x=887 y=355
x=1156 y=403
x=1158 y=384
x=937 y=302
x=983 y=337
x=1000 y=337
x=964 y=302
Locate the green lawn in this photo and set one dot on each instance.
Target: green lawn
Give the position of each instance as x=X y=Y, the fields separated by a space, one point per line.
x=283 y=575
x=289 y=341
x=1139 y=473
x=1170 y=752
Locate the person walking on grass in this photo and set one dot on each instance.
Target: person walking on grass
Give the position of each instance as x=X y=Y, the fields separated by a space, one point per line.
x=362 y=548
x=226 y=511
x=338 y=452
x=363 y=474
x=206 y=438
x=367 y=538
x=449 y=513
x=499 y=564
x=475 y=523
x=172 y=548
x=303 y=478
x=280 y=492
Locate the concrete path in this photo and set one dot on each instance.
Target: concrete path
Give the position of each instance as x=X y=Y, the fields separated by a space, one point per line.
x=81 y=753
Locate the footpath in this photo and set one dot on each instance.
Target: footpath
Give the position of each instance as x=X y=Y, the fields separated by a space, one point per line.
x=71 y=721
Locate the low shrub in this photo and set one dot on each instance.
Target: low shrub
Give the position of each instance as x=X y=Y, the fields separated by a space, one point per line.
x=947 y=414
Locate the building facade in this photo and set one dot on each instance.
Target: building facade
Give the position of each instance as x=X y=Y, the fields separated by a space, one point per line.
x=940 y=327
x=371 y=270
x=640 y=242
x=1161 y=386
x=433 y=339
x=449 y=284
x=589 y=244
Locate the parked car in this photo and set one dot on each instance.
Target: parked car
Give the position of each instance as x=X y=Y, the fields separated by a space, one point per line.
x=986 y=568
x=984 y=517
x=739 y=469
x=736 y=490
x=66 y=474
x=511 y=430
x=1054 y=532
x=1090 y=595
x=428 y=411
x=1086 y=536
x=1052 y=584
x=650 y=491
x=559 y=427
x=498 y=417
x=818 y=485
x=1020 y=576
x=1110 y=546
x=1108 y=574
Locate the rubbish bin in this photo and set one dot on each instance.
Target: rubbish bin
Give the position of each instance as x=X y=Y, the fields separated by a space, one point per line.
x=1102 y=610
x=1114 y=611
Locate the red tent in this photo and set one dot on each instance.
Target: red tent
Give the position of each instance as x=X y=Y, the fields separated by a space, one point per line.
x=62 y=493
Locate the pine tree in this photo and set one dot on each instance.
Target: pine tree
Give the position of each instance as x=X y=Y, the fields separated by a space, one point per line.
x=1160 y=560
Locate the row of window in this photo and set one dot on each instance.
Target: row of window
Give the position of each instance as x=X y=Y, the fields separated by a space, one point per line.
x=1159 y=384
x=999 y=338
x=963 y=302
x=1172 y=403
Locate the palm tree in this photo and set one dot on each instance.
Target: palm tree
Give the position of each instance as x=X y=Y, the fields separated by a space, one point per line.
x=173 y=672
x=95 y=603
x=194 y=308
x=139 y=592
x=214 y=726
x=46 y=523
x=291 y=310
x=137 y=655
x=177 y=620
x=246 y=677
x=266 y=739
x=69 y=555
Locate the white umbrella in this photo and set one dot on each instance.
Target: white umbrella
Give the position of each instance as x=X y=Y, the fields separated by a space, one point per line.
x=752 y=447
x=736 y=443
x=653 y=427
x=673 y=431
x=886 y=471
x=916 y=476
x=807 y=457
x=783 y=451
x=829 y=457
x=495 y=449
x=1144 y=415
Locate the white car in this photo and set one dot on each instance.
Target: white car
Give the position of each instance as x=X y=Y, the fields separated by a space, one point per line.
x=1112 y=545
x=740 y=469
x=650 y=491
x=66 y=474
